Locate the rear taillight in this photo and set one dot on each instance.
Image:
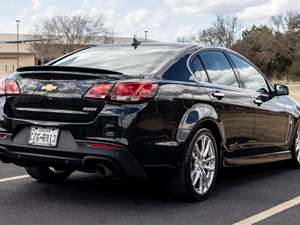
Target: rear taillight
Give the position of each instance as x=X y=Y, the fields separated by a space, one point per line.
x=133 y=91
x=12 y=87
x=123 y=91
x=9 y=87
x=99 y=91
x=2 y=86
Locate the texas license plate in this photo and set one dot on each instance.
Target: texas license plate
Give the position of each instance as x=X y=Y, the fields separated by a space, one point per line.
x=42 y=136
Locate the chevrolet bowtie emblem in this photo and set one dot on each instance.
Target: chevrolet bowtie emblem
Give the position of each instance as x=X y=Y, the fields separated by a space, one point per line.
x=49 y=88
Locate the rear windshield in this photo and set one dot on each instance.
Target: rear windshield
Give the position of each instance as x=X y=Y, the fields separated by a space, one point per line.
x=123 y=59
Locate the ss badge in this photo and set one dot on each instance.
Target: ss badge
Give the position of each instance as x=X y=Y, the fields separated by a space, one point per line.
x=90 y=109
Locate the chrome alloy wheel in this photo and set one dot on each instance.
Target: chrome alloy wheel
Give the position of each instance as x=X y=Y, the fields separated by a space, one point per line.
x=297 y=146
x=203 y=164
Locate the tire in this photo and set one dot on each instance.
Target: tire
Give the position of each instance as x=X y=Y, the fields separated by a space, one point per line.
x=184 y=184
x=48 y=174
x=296 y=149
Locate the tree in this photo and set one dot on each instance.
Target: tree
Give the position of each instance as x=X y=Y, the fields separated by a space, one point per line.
x=277 y=23
x=61 y=34
x=222 y=32
x=293 y=21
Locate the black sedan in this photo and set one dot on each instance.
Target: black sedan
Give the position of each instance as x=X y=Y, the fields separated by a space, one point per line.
x=177 y=111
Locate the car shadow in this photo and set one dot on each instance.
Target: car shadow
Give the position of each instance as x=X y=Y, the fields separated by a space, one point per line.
x=89 y=187
x=240 y=192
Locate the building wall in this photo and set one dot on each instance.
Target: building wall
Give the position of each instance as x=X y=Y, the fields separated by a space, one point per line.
x=8 y=61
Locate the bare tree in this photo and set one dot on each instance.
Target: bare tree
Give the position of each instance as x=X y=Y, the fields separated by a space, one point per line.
x=61 y=34
x=222 y=32
x=186 y=39
x=277 y=23
x=293 y=21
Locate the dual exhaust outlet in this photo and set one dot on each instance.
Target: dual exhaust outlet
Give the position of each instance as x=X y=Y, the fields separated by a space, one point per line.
x=103 y=171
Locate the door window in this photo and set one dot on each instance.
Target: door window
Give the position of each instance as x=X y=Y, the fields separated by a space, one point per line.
x=218 y=68
x=252 y=79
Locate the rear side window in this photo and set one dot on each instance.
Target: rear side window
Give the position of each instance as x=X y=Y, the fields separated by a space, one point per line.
x=198 y=70
x=218 y=68
x=179 y=72
x=252 y=79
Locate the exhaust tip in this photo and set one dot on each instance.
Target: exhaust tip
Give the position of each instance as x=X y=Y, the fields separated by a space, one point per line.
x=103 y=171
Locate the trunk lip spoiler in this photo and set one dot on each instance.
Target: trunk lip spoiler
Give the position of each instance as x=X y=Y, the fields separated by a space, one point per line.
x=67 y=69
x=74 y=71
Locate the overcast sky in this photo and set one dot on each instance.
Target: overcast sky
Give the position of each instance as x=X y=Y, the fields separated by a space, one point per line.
x=165 y=19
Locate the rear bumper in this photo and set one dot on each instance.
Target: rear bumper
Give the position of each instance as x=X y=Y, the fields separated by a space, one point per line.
x=79 y=156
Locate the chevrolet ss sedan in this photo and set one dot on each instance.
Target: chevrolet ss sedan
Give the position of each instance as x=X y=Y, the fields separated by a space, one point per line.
x=177 y=111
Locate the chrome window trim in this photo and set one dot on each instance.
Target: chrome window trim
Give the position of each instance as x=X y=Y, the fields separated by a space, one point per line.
x=208 y=84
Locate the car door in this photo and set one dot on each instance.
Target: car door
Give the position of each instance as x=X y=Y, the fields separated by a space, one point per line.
x=271 y=121
x=232 y=103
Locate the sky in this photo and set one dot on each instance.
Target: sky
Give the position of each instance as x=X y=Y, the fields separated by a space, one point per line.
x=164 y=19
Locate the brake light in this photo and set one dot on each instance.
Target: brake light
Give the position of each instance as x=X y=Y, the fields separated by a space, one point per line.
x=133 y=91
x=12 y=87
x=99 y=91
x=2 y=86
x=123 y=91
x=9 y=87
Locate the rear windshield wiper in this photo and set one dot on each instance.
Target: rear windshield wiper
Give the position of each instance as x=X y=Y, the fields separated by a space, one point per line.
x=68 y=69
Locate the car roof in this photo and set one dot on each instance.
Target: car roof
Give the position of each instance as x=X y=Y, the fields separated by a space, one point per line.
x=178 y=45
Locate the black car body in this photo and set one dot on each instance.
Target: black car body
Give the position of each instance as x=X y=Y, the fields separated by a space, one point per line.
x=120 y=110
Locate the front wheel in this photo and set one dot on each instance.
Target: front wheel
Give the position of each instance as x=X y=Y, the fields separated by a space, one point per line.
x=196 y=176
x=296 y=149
x=48 y=174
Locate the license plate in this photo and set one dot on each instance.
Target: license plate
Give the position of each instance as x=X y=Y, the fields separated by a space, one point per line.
x=42 y=136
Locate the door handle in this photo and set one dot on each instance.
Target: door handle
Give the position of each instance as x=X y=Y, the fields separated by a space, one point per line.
x=258 y=102
x=218 y=95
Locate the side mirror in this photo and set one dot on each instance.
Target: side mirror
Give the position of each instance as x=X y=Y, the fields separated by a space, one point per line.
x=281 y=90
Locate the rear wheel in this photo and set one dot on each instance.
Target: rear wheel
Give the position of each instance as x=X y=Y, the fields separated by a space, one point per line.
x=48 y=174
x=296 y=149
x=196 y=177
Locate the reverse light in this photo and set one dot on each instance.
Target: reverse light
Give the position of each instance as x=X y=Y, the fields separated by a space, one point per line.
x=9 y=87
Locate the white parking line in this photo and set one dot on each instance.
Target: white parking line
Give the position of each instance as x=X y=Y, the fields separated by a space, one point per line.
x=13 y=178
x=270 y=212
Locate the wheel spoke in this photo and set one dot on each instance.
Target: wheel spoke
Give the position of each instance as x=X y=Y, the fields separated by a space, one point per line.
x=212 y=158
x=195 y=157
x=196 y=178
x=201 y=183
x=209 y=168
x=193 y=174
x=197 y=150
x=207 y=148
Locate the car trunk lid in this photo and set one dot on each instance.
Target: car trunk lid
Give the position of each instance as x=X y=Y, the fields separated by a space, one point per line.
x=56 y=95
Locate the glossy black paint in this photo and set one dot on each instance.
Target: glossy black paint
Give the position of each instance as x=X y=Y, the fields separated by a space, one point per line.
x=152 y=135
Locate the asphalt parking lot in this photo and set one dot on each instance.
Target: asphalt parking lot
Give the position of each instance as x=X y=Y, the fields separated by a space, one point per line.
x=86 y=199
